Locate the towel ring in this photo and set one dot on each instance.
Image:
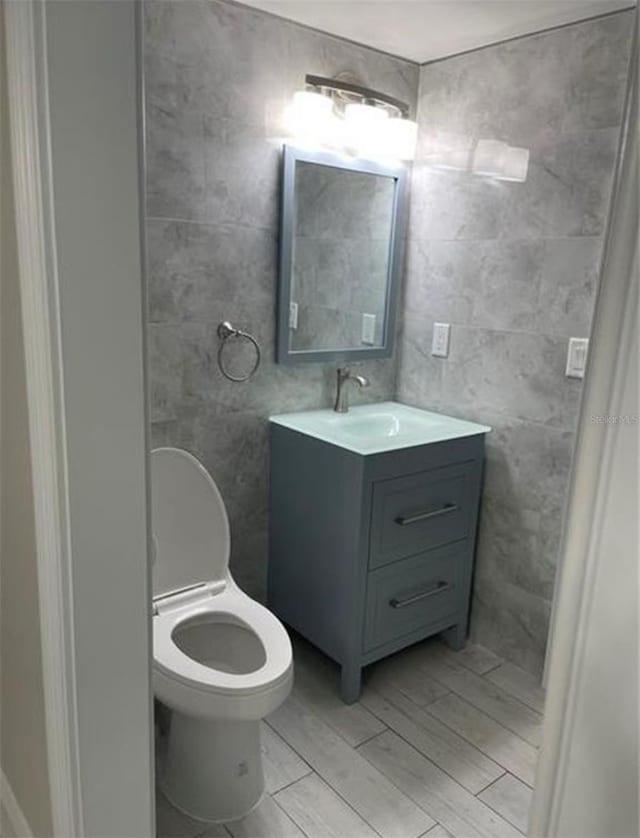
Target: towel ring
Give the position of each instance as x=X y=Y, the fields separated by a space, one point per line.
x=225 y=332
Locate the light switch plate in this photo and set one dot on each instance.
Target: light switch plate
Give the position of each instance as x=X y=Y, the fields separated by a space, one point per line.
x=577 y=357
x=440 y=342
x=369 y=328
x=293 y=315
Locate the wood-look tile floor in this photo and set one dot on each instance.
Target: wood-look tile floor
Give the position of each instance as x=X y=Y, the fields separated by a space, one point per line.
x=440 y=744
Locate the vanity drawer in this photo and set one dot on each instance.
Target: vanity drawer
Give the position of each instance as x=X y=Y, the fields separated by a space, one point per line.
x=414 y=593
x=415 y=513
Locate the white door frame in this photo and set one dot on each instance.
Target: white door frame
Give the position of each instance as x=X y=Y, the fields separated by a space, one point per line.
x=41 y=324
x=58 y=93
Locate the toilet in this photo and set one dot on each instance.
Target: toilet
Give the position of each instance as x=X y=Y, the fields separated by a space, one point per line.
x=221 y=661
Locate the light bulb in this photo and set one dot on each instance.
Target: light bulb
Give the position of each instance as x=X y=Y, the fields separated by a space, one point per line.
x=310 y=117
x=400 y=137
x=362 y=126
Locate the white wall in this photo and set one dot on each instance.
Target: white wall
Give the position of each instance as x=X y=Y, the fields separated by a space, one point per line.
x=601 y=785
x=23 y=749
x=94 y=122
x=73 y=85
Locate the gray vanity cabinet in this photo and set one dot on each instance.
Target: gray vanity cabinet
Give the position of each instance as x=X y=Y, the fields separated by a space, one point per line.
x=372 y=552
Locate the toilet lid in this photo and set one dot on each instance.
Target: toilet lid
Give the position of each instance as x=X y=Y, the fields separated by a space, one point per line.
x=189 y=522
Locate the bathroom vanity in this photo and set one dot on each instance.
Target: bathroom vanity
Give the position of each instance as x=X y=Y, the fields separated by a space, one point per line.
x=373 y=525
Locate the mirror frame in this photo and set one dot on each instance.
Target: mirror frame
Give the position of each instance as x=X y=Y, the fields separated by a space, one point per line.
x=291 y=156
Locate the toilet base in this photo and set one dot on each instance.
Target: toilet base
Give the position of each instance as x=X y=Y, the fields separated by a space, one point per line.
x=213 y=769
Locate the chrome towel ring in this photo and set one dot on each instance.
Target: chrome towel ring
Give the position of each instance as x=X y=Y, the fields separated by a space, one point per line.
x=227 y=332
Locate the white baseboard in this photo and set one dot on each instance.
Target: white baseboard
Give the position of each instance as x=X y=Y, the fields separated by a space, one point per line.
x=19 y=823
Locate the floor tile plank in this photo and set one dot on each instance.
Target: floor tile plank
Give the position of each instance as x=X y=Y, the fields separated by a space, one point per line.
x=320 y=812
x=484 y=695
x=268 y=820
x=437 y=832
x=316 y=683
x=520 y=684
x=401 y=672
x=476 y=658
x=454 y=755
x=511 y=799
x=501 y=745
x=452 y=806
x=282 y=765
x=369 y=792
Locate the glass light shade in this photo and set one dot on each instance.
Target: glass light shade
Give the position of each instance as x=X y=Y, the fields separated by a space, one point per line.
x=489 y=158
x=516 y=165
x=364 y=116
x=310 y=117
x=362 y=126
x=400 y=137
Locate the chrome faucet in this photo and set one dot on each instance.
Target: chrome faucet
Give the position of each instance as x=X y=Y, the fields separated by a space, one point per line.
x=343 y=378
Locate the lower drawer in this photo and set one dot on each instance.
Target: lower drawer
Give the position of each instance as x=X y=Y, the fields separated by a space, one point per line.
x=413 y=593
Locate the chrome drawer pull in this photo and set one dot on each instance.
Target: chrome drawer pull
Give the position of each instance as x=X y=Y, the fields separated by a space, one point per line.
x=403 y=520
x=440 y=588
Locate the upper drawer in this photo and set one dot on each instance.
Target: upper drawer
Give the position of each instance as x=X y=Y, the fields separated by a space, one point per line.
x=414 y=513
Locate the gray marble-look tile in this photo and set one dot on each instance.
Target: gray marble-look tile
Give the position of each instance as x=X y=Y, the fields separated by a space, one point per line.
x=525 y=89
x=500 y=259
x=518 y=545
x=567 y=188
x=510 y=374
x=455 y=205
x=568 y=284
x=515 y=626
x=527 y=465
x=193 y=268
x=597 y=62
x=490 y=284
x=419 y=372
x=164 y=363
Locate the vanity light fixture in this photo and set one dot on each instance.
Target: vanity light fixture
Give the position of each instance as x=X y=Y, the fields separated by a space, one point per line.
x=343 y=114
x=310 y=117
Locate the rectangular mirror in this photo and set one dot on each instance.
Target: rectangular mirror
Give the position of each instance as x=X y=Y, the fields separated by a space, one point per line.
x=340 y=251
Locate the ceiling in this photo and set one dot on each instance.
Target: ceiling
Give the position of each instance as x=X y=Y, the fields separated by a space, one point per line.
x=423 y=30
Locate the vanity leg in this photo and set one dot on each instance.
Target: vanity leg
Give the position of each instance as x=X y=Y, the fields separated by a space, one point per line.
x=456 y=637
x=350 y=677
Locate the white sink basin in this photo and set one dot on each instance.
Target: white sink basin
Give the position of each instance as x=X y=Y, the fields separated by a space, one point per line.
x=372 y=428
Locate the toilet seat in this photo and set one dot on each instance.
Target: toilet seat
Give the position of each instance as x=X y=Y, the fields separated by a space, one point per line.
x=192 y=584
x=241 y=610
